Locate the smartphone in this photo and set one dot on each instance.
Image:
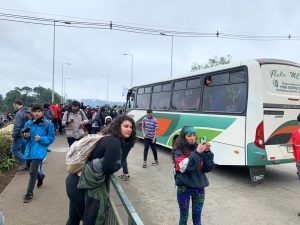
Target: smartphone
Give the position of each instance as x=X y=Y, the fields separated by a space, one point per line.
x=203 y=140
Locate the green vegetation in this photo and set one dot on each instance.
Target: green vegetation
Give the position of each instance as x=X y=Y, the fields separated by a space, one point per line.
x=212 y=62
x=37 y=95
x=7 y=161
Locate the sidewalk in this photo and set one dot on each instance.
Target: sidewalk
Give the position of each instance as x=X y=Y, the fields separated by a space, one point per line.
x=50 y=202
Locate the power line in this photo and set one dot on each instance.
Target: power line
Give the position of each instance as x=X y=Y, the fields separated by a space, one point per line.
x=139 y=30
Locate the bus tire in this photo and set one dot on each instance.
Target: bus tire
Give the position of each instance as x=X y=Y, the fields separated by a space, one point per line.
x=257 y=173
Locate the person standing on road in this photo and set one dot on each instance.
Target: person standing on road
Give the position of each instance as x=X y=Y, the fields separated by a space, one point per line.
x=17 y=147
x=149 y=128
x=190 y=179
x=108 y=150
x=74 y=120
x=296 y=148
x=55 y=109
x=38 y=133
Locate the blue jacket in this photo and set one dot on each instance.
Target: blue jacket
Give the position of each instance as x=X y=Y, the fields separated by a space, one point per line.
x=34 y=149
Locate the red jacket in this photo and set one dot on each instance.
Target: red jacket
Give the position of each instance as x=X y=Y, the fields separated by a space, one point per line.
x=296 y=144
x=55 y=109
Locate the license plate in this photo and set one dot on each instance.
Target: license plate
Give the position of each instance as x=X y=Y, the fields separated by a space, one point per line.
x=289 y=149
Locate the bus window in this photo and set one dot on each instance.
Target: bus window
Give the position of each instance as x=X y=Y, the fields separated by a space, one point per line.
x=179 y=85
x=236 y=100
x=161 y=100
x=225 y=98
x=238 y=77
x=220 y=79
x=167 y=87
x=157 y=88
x=147 y=89
x=143 y=101
x=195 y=83
x=186 y=100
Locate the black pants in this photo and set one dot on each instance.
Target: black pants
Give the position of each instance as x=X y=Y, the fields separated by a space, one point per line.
x=71 y=140
x=77 y=198
x=148 y=142
x=33 y=165
x=60 y=128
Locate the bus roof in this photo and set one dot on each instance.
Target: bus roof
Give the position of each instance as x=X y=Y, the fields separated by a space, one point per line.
x=261 y=61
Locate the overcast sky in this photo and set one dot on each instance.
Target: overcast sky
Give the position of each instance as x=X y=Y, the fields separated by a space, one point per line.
x=26 y=50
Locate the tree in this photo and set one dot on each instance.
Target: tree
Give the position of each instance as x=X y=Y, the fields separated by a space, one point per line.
x=212 y=62
x=1 y=98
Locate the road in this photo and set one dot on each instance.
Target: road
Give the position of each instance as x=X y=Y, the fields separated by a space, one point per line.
x=230 y=199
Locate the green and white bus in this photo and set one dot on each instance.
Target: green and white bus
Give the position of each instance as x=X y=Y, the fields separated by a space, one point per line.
x=248 y=112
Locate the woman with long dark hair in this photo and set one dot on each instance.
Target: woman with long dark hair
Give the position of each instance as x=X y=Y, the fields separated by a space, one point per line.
x=108 y=151
x=188 y=159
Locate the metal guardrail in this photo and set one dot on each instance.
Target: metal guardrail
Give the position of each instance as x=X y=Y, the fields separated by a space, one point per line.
x=113 y=216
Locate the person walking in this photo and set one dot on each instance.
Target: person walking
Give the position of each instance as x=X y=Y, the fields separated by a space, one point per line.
x=296 y=148
x=107 y=150
x=55 y=109
x=149 y=128
x=38 y=133
x=17 y=147
x=189 y=159
x=74 y=121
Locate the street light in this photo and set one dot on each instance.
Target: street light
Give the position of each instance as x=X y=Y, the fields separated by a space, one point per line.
x=106 y=75
x=53 y=60
x=131 y=80
x=66 y=78
x=171 y=50
x=62 y=80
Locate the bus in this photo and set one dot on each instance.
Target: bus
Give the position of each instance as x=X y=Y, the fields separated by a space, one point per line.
x=247 y=112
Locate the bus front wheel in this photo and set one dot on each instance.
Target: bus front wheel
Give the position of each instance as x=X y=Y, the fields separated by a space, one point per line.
x=257 y=173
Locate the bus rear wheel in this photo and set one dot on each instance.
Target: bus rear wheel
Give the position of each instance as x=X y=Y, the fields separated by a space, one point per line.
x=257 y=173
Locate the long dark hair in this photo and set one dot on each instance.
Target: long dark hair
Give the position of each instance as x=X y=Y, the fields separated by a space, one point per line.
x=114 y=128
x=181 y=142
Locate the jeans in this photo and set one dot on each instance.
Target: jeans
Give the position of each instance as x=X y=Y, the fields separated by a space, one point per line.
x=17 y=149
x=33 y=168
x=148 y=142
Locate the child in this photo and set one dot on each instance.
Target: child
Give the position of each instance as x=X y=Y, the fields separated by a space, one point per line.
x=38 y=133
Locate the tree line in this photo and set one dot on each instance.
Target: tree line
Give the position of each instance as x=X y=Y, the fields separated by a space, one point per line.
x=37 y=95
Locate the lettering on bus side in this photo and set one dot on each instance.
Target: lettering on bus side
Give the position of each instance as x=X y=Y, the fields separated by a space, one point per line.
x=275 y=73
x=295 y=75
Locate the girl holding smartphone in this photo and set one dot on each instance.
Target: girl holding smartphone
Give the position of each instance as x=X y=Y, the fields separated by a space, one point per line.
x=190 y=178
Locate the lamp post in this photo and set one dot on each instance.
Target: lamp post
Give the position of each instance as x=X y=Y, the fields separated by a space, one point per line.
x=131 y=80
x=66 y=78
x=106 y=75
x=171 y=50
x=53 y=61
x=62 y=81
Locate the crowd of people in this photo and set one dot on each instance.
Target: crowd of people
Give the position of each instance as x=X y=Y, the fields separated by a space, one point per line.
x=35 y=129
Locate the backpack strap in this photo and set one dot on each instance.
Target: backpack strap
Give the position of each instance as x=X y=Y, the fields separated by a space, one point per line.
x=47 y=127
